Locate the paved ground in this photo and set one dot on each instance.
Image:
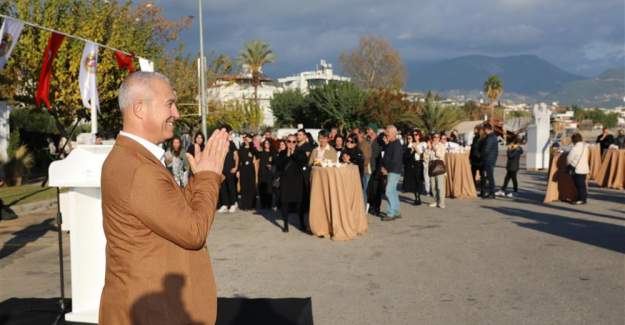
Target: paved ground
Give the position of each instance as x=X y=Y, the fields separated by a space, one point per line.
x=504 y=261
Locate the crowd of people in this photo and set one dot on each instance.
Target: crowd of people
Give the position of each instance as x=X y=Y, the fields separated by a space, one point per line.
x=268 y=173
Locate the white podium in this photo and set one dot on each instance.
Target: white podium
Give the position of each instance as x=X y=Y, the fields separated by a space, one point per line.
x=82 y=217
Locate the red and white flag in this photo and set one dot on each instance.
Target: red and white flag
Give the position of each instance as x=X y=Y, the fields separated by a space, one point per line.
x=45 y=77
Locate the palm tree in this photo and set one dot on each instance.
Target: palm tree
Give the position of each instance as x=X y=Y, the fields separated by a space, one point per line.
x=435 y=117
x=255 y=55
x=493 y=88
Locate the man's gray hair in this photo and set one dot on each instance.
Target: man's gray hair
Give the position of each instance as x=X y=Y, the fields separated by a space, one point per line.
x=134 y=86
x=391 y=128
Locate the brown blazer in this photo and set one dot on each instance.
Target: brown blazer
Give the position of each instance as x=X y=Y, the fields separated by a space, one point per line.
x=157 y=268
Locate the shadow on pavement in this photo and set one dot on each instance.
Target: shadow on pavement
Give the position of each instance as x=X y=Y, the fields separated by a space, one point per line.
x=604 y=235
x=27 y=235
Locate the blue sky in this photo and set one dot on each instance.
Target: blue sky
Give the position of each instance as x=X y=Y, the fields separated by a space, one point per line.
x=583 y=37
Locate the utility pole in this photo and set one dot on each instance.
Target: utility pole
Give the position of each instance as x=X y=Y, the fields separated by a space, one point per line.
x=202 y=65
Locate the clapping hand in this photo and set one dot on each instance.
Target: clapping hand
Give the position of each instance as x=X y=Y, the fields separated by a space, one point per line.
x=214 y=154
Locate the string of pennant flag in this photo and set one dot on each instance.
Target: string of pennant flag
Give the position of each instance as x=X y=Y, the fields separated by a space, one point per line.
x=10 y=33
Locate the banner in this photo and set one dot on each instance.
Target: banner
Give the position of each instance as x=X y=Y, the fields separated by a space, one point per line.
x=146 y=65
x=88 y=76
x=9 y=34
x=45 y=77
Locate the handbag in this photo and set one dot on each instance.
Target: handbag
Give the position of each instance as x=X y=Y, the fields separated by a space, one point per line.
x=436 y=168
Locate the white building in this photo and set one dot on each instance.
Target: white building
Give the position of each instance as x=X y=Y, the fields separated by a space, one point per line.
x=309 y=79
x=240 y=88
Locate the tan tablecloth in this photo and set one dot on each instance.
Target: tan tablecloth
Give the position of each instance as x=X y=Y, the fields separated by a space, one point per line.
x=337 y=208
x=560 y=185
x=594 y=161
x=460 y=184
x=612 y=171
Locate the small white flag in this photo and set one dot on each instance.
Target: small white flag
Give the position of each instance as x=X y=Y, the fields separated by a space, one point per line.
x=146 y=65
x=9 y=34
x=88 y=82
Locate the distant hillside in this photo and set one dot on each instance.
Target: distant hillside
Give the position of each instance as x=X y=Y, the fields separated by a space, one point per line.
x=605 y=90
x=521 y=74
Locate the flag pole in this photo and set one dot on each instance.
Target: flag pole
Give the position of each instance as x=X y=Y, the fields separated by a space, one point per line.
x=202 y=84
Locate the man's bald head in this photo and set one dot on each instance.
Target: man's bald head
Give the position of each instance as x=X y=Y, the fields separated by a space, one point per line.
x=148 y=105
x=138 y=86
x=391 y=132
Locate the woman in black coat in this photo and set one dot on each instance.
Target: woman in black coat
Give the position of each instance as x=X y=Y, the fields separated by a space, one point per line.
x=352 y=155
x=290 y=164
x=266 y=160
x=410 y=165
x=474 y=155
x=247 y=174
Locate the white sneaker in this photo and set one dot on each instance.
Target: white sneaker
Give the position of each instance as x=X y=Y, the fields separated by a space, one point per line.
x=233 y=208
x=510 y=194
x=442 y=206
x=500 y=193
x=433 y=205
x=222 y=209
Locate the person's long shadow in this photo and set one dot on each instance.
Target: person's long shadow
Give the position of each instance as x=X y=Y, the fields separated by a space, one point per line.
x=27 y=235
x=604 y=235
x=535 y=198
x=272 y=216
x=275 y=218
x=166 y=305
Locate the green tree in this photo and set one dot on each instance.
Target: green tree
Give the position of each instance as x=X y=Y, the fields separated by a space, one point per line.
x=435 y=117
x=608 y=120
x=339 y=104
x=240 y=115
x=493 y=89
x=254 y=56
x=289 y=107
x=392 y=107
x=137 y=29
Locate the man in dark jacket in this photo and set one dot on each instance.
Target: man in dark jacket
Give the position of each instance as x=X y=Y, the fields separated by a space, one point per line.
x=392 y=166
x=605 y=139
x=488 y=157
x=512 y=168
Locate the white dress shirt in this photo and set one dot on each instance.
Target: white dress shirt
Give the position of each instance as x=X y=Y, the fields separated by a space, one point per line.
x=155 y=150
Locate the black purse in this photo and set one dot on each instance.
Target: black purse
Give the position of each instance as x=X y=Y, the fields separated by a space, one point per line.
x=436 y=168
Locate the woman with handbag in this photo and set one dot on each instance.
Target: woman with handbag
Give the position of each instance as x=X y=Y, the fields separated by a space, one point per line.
x=577 y=162
x=437 y=170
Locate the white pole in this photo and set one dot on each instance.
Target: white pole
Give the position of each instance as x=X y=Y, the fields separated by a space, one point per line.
x=202 y=71
x=94 y=119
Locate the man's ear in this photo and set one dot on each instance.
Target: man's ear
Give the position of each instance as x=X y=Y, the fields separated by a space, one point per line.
x=139 y=109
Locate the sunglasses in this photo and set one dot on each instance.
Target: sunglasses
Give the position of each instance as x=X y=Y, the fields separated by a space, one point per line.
x=290 y=141
x=350 y=141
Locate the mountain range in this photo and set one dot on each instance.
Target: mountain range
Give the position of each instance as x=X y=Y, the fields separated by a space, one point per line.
x=525 y=77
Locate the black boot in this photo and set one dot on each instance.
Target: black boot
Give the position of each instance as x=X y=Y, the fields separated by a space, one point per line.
x=417 y=199
x=304 y=228
x=285 y=217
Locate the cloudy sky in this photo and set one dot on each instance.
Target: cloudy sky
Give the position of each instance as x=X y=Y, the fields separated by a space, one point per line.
x=581 y=36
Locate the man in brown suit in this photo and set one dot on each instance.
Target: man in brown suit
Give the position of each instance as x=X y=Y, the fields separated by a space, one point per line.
x=157 y=269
